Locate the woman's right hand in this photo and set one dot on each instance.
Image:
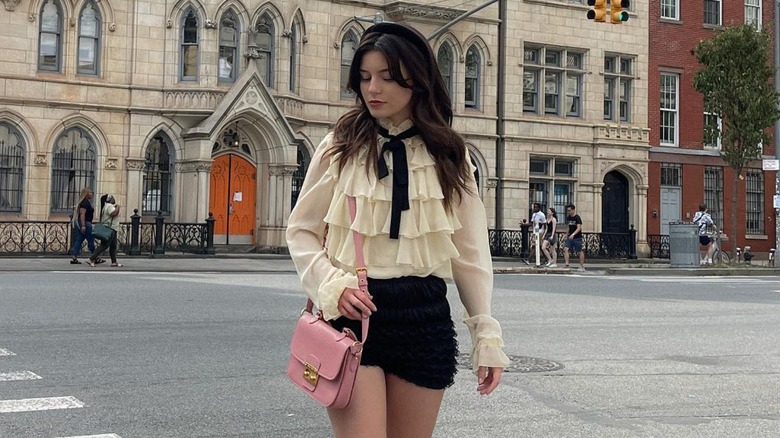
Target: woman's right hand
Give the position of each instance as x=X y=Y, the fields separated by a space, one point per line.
x=356 y=304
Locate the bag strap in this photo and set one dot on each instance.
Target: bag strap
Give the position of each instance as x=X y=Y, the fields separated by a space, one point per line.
x=360 y=265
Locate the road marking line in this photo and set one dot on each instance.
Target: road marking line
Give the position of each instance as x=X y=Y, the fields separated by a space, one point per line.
x=18 y=375
x=105 y=435
x=39 y=404
x=4 y=352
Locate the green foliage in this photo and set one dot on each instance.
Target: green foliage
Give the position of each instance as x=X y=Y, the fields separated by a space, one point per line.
x=736 y=81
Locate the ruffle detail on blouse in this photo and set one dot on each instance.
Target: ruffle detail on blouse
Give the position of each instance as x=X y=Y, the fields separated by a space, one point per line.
x=487 y=343
x=425 y=237
x=330 y=292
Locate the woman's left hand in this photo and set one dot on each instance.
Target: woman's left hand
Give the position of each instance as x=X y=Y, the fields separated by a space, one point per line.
x=488 y=378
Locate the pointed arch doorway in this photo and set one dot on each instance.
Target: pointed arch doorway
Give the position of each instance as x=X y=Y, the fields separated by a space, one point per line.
x=233 y=199
x=614 y=203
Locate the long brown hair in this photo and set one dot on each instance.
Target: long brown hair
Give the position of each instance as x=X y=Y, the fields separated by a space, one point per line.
x=431 y=106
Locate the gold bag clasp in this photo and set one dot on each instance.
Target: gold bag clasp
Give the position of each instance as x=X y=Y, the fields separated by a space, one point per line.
x=310 y=374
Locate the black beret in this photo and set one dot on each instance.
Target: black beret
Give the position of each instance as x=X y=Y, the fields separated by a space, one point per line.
x=406 y=32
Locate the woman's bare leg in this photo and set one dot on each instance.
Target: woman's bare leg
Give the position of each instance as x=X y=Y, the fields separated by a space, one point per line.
x=411 y=410
x=545 y=245
x=366 y=415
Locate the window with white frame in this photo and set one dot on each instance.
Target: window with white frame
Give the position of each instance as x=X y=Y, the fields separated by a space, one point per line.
x=753 y=13
x=551 y=183
x=446 y=63
x=12 y=150
x=618 y=78
x=669 y=109
x=229 y=32
x=348 y=46
x=712 y=127
x=670 y=9
x=713 y=193
x=50 y=36
x=754 y=202
x=190 y=40
x=558 y=74
x=713 y=12
x=265 y=39
x=90 y=23
x=473 y=70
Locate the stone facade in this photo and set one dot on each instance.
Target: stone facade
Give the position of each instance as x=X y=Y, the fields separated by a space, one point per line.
x=138 y=95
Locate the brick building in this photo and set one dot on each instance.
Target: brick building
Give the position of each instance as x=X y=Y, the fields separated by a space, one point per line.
x=189 y=107
x=684 y=171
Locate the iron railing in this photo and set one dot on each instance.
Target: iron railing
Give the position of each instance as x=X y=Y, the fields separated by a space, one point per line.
x=516 y=243
x=134 y=237
x=659 y=245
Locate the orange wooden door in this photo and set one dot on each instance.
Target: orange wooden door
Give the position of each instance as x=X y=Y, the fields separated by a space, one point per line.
x=232 y=198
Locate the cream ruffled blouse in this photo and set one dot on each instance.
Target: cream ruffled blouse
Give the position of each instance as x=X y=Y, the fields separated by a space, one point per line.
x=432 y=241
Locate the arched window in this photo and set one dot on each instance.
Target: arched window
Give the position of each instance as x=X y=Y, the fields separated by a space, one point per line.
x=89 y=39
x=472 y=77
x=476 y=173
x=188 y=53
x=229 y=31
x=348 y=46
x=158 y=176
x=294 y=57
x=444 y=59
x=300 y=173
x=50 y=37
x=265 y=45
x=11 y=168
x=73 y=168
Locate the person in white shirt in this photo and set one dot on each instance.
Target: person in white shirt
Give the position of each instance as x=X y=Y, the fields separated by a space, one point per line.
x=703 y=219
x=539 y=221
x=422 y=222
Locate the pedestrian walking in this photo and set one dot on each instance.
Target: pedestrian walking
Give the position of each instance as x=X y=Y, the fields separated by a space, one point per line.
x=551 y=239
x=573 y=237
x=82 y=224
x=422 y=222
x=539 y=221
x=109 y=216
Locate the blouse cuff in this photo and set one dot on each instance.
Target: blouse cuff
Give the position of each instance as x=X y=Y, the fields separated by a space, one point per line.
x=486 y=341
x=330 y=292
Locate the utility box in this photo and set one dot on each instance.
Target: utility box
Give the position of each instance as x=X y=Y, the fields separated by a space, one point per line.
x=683 y=245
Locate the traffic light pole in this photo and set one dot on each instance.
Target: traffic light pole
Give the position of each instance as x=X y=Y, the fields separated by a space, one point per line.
x=777 y=123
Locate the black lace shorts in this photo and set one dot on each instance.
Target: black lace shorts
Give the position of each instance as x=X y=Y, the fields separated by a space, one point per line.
x=411 y=335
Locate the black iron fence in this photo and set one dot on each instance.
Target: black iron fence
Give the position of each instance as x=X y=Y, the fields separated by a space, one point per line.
x=659 y=245
x=516 y=243
x=135 y=237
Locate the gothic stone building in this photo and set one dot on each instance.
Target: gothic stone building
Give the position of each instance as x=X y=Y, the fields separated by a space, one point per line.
x=198 y=106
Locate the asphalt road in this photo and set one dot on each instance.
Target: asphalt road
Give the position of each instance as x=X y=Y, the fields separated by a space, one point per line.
x=143 y=354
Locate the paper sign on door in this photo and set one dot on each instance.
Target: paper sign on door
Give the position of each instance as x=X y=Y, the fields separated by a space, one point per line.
x=238 y=196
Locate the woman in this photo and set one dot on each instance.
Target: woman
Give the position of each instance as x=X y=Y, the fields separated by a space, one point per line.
x=551 y=239
x=82 y=224
x=109 y=216
x=422 y=222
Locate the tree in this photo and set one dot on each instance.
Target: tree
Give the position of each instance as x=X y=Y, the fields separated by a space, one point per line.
x=736 y=81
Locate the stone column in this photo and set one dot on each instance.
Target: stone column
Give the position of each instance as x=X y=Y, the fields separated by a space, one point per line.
x=192 y=190
x=135 y=183
x=640 y=217
x=279 y=199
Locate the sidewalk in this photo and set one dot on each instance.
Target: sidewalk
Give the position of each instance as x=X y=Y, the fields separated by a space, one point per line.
x=270 y=263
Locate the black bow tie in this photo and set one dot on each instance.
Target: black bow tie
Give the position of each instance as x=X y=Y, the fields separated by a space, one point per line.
x=400 y=174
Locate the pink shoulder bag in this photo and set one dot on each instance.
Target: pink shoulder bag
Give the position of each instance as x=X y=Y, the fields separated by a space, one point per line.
x=323 y=361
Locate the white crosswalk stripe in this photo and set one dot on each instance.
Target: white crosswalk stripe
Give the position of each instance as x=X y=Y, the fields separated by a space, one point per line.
x=105 y=435
x=4 y=352
x=39 y=404
x=18 y=375
x=697 y=280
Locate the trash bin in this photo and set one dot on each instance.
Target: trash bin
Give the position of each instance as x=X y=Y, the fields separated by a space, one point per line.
x=683 y=245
